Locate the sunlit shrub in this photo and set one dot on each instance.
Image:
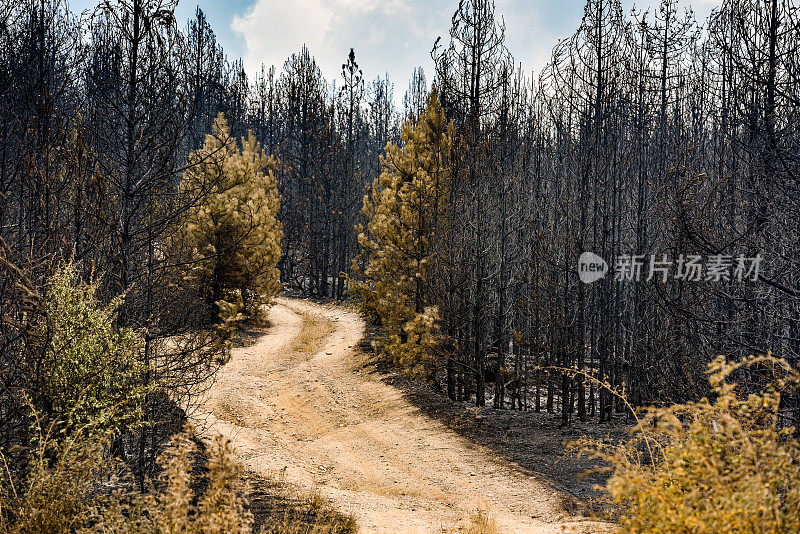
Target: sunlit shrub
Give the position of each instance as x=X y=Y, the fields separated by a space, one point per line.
x=721 y=464
x=80 y=371
x=83 y=490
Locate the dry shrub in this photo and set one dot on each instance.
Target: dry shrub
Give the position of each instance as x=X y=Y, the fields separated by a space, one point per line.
x=53 y=497
x=318 y=522
x=221 y=508
x=719 y=465
x=481 y=522
x=282 y=508
x=172 y=505
x=82 y=490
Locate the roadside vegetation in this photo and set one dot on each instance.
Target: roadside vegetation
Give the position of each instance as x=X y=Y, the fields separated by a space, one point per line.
x=154 y=199
x=725 y=463
x=402 y=210
x=88 y=386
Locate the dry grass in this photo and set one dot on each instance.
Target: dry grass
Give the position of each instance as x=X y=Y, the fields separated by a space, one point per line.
x=720 y=464
x=280 y=508
x=313 y=331
x=228 y=412
x=200 y=490
x=80 y=489
x=481 y=522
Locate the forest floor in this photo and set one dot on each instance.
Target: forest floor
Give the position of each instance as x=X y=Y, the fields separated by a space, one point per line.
x=302 y=404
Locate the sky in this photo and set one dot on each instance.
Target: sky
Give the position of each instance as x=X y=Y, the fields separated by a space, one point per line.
x=389 y=36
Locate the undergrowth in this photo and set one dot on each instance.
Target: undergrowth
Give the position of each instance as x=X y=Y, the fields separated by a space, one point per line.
x=73 y=486
x=481 y=522
x=724 y=464
x=81 y=489
x=281 y=508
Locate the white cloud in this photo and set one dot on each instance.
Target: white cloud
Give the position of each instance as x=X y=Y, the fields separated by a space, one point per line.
x=272 y=29
x=395 y=36
x=389 y=35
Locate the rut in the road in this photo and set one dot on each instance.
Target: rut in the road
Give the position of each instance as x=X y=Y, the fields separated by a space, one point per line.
x=322 y=424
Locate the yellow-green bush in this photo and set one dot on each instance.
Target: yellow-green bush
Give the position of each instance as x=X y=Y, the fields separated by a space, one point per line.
x=723 y=464
x=80 y=371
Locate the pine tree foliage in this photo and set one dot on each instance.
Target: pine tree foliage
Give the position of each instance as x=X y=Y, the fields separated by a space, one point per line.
x=234 y=234
x=403 y=209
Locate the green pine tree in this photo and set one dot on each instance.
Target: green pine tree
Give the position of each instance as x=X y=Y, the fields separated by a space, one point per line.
x=234 y=234
x=402 y=210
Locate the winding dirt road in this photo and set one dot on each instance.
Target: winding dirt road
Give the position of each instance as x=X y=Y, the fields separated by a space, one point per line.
x=321 y=422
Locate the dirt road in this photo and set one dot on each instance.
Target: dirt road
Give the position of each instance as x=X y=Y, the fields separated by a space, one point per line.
x=322 y=422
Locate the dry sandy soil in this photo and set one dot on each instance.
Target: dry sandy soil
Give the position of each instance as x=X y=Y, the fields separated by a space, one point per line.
x=320 y=419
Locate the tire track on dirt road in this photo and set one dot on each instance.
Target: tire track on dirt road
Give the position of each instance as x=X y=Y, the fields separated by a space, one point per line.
x=321 y=421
